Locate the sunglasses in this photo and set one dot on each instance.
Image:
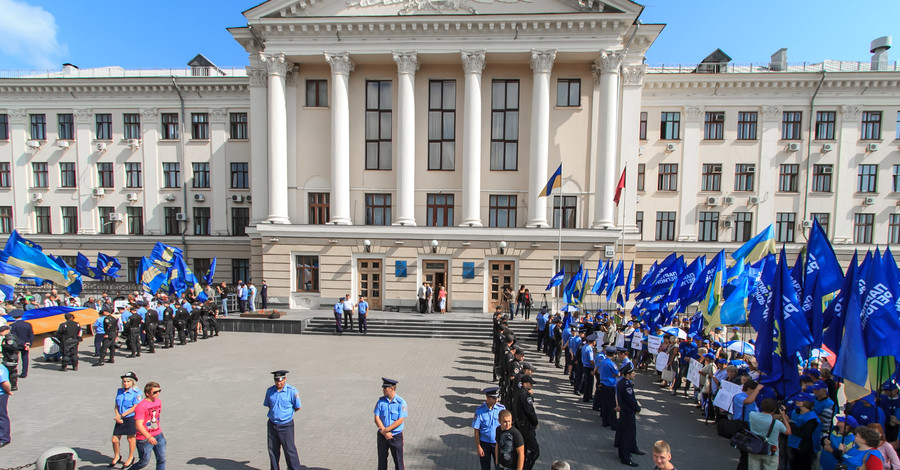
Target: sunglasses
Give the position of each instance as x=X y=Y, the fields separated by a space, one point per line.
x=155 y=392
x=279 y=379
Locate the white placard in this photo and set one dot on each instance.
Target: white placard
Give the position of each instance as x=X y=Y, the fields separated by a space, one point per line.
x=662 y=359
x=725 y=397
x=620 y=340
x=152 y=305
x=637 y=341
x=120 y=303
x=693 y=374
x=653 y=343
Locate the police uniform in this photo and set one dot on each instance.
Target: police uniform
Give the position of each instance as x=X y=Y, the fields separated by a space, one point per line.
x=626 y=432
x=99 y=334
x=387 y=412
x=134 y=325
x=282 y=405
x=181 y=323
x=587 y=368
x=111 y=327
x=194 y=323
x=556 y=341
x=4 y=415
x=151 y=323
x=526 y=421
x=169 y=325
x=606 y=399
x=486 y=421
x=69 y=335
x=9 y=347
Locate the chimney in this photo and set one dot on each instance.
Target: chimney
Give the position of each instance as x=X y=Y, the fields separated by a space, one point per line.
x=69 y=69
x=879 y=49
x=778 y=60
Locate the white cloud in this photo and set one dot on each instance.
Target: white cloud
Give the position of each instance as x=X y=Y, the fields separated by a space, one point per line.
x=28 y=33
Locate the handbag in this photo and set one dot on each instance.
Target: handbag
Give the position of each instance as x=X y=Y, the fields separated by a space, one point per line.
x=752 y=443
x=668 y=375
x=728 y=428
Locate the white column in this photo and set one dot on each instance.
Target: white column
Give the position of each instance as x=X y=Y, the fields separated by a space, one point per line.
x=220 y=171
x=259 y=145
x=294 y=200
x=632 y=88
x=689 y=173
x=149 y=150
x=23 y=205
x=83 y=150
x=341 y=66
x=766 y=169
x=541 y=64
x=845 y=174
x=407 y=64
x=473 y=65
x=607 y=131
x=277 y=67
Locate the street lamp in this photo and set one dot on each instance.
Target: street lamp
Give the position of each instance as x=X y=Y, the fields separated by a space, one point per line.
x=434 y=245
x=368 y=244
x=502 y=247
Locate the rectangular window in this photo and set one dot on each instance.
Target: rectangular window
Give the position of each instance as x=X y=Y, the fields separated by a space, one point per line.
x=502 y=211
x=568 y=92
x=171 y=175
x=107 y=227
x=639 y=222
x=867 y=180
x=240 y=219
x=240 y=270
x=201 y=266
x=378 y=125
x=42 y=220
x=307 y=273
x=821 y=182
x=105 y=175
x=744 y=175
x=201 y=175
x=743 y=226
x=642 y=129
x=565 y=206
x=169 y=126
x=441 y=124
x=823 y=217
x=39 y=126
x=785 y=223
x=378 y=209
x=5 y=175
x=711 y=177
x=787 y=179
x=240 y=175
x=504 y=125
x=200 y=126
x=65 y=127
x=669 y=125
x=132 y=126
x=790 y=125
x=201 y=221
x=665 y=226
x=897 y=135
x=134 y=269
x=104 y=126
x=871 y=125
x=6 y=219
x=825 y=122
x=317 y=93
x=133 y=176
x=40 y=174
x=893 y=229
x=641 y=173
x=709 y=227
x=319 y=208
x=4 y=127
x=135 y=220
x=439 y=212
x=895 y=178
x=67 y=174
x=668 y=177
x=172 y=225
x=569 y=267
x=69 y=219
x=747 y=125
x=863 y=225
x=239 y=126
x=714 y=126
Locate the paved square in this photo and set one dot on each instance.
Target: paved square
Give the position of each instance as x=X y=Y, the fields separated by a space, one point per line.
x=213 y=415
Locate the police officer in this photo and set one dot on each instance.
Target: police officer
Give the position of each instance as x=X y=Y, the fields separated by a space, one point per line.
x=69 y=335
x=134 y=325
x=168 y=323
x=605 y=401
x=390 y=413
x=587 y=367
x=194 y=322
x=626 y=432
x=24 y=332
x=110 y=325
x=526 y=421
x=213 y=325
x=99 y=332
x=485 y=423
x=283 y=401
x=9 y=347
x=182 y=318
x=556 y=335
x=151 y=324
x=513 y=369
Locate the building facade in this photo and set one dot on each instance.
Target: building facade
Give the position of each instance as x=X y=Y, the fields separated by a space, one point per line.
x=370 y=146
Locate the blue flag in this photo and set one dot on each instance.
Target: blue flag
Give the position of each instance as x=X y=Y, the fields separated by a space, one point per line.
x=9 y=276
x=880 y=322
x=152 y=277
x=108 y=265
x=569 y=291
x=35 y=264
x=834 y=315
x=212 y=271
x=164 y=255
x=628 y=282
x=784 y=332
x=601 y=278
x=851 y=362
x=614 y=283
x=686 y=283
x=83 y=267
x=822 y=277
x=733 y=311
x=761 y=290
x=795 y=332
x=711 y=302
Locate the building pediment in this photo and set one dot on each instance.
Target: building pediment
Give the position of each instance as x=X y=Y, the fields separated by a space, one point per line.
x=331 y=8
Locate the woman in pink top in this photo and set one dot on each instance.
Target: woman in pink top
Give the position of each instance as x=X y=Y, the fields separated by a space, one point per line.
x=442 y=299
x=888 y=454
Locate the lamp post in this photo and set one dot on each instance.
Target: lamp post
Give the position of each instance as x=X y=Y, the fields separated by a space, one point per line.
x=502 y=247
x=434 y=245
x=368 y=245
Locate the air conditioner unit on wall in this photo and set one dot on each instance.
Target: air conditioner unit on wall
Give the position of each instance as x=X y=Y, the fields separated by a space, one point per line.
x=132 y=197
x=249 y=198
x=38 y=197
x=827 y=148
x=169 y=197
x=793 y=147
x=101 y=146
x=113 y=217
x=712 y=201
x=99 y=192
x=33 y=144
x=134 y=143
x=753 y=201
x=869 y=200
x=63 y=144
x=237 y=198
x=726 y=224
x=872 y=147
x=806 y=223
x=199 y=197
x=728 y=200
x=180 y=217
x=670 y=147
x=828 y=170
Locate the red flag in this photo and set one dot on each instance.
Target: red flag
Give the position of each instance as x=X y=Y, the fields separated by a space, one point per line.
x=620 y=187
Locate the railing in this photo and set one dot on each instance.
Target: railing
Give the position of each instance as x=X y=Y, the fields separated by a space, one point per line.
x=119 y=72
x=827 y=66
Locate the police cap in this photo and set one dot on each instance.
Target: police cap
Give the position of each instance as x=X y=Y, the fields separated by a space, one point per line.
x=279 y=374
x=388 y=382
x=493 y=392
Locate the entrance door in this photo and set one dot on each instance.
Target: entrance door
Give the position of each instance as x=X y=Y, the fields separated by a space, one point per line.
x=370 y=281
x=435 y=272
x=501 y=275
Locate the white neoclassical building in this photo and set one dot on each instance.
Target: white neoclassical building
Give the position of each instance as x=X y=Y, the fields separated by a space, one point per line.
x=372 y=145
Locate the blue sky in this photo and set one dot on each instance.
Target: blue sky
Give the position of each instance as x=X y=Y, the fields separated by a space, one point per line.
x=38 y=34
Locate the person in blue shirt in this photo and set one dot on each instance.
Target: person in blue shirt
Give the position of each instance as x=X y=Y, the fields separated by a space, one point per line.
x=487 y=418
x=587 y=364
x=865 y=411
x=283 y=401
x=127 y=399
x=839 y=442
x=823 y=406
x=390 y=414
x=5 y=393
x=605 y=402
x=804 y=440
x=541 y=327
x=889 y=402
x=745 y=402
x=362 y=310
x=338 y=312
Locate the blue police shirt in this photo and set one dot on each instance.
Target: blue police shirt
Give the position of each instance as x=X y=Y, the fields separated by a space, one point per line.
x=566 y=335
x=339 y=308
x=486 y=422
x=389 y=411
x=125 y=316
x=4 y=377
x=187 y=306
x=125 y=399
x=362 y=308
x=282 y=404
x=587 y=355
x=541 y=322
x=142 y=312
x=575 y=344
x=160 y=311
x=98 y=326
x=608 y=373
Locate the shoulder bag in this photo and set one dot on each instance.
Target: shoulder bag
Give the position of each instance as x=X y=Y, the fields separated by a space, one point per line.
x=752 y=443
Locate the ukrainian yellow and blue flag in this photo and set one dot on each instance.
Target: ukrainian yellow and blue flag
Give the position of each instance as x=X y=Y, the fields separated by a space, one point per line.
x=757 y=247
x=554 y=182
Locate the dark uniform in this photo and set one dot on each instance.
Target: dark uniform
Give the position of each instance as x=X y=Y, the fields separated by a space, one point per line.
x=485 y=423
x=69 y=335
x=556 y=341
x=111 y=327
x=626 y=432
x=182 y=318
x=151 y=324
x=9 y=347
x=169 y=325
x=194 y=324
x=526 y=421
x=213 y=324
x=133 y=325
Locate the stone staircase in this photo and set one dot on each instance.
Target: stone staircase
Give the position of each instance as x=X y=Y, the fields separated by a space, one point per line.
x=477 y=330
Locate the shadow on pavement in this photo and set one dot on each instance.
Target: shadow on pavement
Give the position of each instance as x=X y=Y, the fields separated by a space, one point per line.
x=91 y=456
x=221 y=464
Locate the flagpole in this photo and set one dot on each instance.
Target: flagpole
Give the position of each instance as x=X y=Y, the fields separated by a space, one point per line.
x=622 y=230
x=559 y=234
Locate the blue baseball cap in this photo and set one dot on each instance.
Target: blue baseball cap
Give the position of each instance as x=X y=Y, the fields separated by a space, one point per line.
x=819 y=385
x=889 y=386
x=812 y=372
x=804 y=397
x=850 y=420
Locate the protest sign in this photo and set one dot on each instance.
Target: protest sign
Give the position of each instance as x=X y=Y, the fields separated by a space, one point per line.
x=653 y=343
x=637 y=341
x=662 y=359
x=693 y=374
x=727 y=391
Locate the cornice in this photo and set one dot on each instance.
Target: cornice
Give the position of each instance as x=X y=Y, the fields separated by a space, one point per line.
x=774 y=80
x=237 y=85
